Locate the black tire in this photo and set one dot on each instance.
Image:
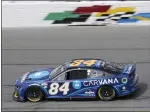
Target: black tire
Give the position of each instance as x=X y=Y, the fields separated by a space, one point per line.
x=106 y=93
x=34 y=94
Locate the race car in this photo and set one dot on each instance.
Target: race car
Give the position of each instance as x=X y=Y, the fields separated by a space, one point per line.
x=78 y=78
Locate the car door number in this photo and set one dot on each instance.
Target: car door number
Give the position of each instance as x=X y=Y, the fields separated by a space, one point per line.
x=55 y=88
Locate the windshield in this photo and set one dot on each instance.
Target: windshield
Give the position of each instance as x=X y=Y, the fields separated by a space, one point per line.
x=57 y=71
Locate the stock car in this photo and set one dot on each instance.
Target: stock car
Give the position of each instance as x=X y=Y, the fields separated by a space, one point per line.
x=78 y=78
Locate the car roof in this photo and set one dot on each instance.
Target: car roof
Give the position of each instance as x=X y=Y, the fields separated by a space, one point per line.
x=95 y=64
x=81 y=63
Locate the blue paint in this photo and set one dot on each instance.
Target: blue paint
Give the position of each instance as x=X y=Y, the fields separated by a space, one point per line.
x=145 y=15
x=126 y=69
x=81 y=90
x=39 y=74
x=98 y=63
x=127 y=20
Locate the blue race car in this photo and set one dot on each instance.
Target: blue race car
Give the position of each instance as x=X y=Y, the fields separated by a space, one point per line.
x=79 y=78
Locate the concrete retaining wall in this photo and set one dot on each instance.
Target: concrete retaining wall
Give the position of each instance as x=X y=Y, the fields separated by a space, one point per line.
x=37 y=13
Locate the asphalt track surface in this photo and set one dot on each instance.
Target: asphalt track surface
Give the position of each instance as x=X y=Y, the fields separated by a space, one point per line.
x=26 y=49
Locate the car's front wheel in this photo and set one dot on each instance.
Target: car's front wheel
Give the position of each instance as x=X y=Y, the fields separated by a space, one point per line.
x=34 y=94
x=106 y=93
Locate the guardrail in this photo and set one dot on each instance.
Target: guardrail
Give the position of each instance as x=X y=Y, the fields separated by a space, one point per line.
x=46 y=13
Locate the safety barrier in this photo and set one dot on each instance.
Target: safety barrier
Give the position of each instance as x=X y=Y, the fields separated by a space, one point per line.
x=48 y=13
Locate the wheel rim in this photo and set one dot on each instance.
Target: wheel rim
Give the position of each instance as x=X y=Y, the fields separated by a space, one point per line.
x=106 y=93
x=34 y=96
x=15 y=94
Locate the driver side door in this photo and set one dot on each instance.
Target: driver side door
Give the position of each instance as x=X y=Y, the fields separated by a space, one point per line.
x=67 y=84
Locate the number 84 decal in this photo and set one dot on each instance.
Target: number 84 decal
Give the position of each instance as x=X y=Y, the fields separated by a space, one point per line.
x=79 y=62
x=55 y=88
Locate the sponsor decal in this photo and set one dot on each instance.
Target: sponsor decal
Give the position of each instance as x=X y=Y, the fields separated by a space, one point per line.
x=123 y=88
x=100 y=82
x=124 y=80
x=90 y=93
x=76 y=84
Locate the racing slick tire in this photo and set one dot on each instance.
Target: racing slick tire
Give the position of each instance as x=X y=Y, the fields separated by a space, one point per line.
x=106 y=93
x=34 y=94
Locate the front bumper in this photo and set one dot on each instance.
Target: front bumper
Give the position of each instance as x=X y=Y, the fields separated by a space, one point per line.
x=17 y=94
x=17 y=91
x=16 y=97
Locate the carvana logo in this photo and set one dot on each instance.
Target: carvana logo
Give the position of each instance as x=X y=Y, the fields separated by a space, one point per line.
x=76 y=84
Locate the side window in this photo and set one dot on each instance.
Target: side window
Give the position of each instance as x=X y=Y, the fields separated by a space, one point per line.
x=62 y=77
x=95 y=73
x=82 y=74
x=76 y=74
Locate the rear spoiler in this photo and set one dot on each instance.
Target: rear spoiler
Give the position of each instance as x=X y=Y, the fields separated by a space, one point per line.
x=129 y=68
x=131 y=64
x=134 y=64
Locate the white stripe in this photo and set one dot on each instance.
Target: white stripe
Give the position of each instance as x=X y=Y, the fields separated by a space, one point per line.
x=115 y=17
x=120 y=13
x=103 y=17
x=127 y=15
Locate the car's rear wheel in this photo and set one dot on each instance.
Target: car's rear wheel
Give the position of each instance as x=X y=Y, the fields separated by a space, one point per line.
x=34 y=94
x=106 y=93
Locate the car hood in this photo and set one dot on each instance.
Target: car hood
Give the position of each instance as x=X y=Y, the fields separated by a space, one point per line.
x=36 y=75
